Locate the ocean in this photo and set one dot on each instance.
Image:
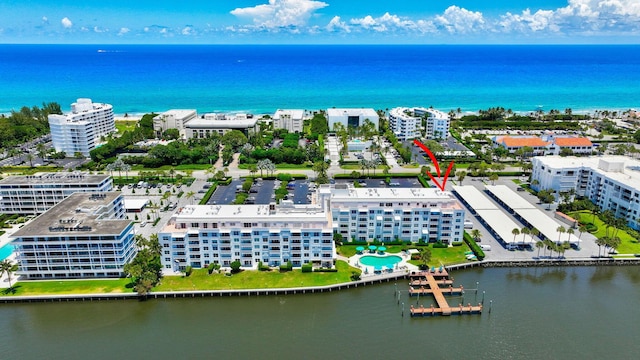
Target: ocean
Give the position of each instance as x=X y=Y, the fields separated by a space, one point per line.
x=263 y=78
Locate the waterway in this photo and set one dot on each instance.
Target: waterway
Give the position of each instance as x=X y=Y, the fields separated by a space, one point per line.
x=536 y=313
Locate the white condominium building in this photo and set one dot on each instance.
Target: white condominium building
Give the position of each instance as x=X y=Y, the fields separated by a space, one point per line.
x=291 y=120
x=406 y=123
x=84 y=236
x=199 y=235
x=173 y=119
x=200 y=128
x=80 y=130
x=391 y=214
x=35 y=194
x=610 y=182
x=351 y=117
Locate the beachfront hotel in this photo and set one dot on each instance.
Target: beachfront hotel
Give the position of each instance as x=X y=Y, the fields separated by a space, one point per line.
x=290 y=120
x=353 y=117
x=173 y=119
x=80 y=130
x=200 y=128
x=610 y=182
x=547 y=144
x=35 y=194
x=85 y=236
x=391 y=214
x=406 y=123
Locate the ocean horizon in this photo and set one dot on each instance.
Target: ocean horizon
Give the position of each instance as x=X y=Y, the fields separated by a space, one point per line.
x=258 y=79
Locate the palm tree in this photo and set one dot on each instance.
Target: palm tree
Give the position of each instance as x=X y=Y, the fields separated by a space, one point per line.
x=30 y=158
x=461 y=175
x=602 y=241
x=534 y=232
x=425 y=257
x=570 y=232
x=539 y=245
x=6 y=266
x=476 y=234
x=189 y=196
x=581 y=230
x=515 y=233
x=525 y=231
x=561 y=230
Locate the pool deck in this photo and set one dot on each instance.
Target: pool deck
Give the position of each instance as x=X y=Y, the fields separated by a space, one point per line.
x=368 y=270
x=4 y=240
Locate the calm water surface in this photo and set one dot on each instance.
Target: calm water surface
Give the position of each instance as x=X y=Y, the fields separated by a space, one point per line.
x=544 y=313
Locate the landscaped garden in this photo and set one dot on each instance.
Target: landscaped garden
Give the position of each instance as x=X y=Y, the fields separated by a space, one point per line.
x=439 y=256
x=628 y=244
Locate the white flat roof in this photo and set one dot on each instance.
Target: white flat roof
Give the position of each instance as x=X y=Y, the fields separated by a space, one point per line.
x=240 y=213
x=390 y=194
x=135 y=203
x=474 y=197
x=546 y=225
x=352 y=112
x=509 y=197
x=502 y=225
x=295 y=113
x=178 y=113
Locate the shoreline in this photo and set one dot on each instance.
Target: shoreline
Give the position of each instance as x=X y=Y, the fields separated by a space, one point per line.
x=367 y=281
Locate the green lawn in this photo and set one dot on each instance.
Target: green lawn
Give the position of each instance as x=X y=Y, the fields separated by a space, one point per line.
x=439 y=256
x=25 y=288
x=201 y=280
x=125 y=125
x=628 y=244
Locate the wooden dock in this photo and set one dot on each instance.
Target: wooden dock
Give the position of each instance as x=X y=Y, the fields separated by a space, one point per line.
x=431 y=282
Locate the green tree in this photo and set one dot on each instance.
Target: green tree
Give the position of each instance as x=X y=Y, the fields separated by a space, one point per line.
x=461 y=175
x=425 y=257
x=539 y=245
x=476 y=234
x=515 y=233
x=7 y=267
x=493 y=177
x=561 y=230
x=235 y=266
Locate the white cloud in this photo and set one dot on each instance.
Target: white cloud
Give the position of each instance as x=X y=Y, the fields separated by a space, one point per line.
x=187 y=30
x=66 y=23
x=460 y=20
x=338 y=25
x=98 y=29
x=281 y=13
x=538 y=21
x=45 y=20
x=389 y=22
x=124 y=30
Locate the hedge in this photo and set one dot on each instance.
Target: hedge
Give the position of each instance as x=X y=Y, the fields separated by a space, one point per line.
x=207 y=196
x=477 y=251
x=378 y=176
x=307 y=268
x=325 y=270
x=423 y=181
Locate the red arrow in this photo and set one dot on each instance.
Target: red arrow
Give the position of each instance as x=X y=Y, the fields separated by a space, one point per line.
x=435 y=163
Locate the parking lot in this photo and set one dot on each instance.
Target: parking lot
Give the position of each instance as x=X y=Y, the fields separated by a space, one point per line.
x=225 y=194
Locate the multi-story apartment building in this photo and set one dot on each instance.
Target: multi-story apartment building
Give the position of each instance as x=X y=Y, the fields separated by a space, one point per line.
x=35 y=194
x=610 y=182
x=390 y=214
x=173 y=119
x=80 y=130
x=200 y=235
x=220 y=124
x=546 y=144
x=84 y=236
x=406 y=123
x=351 y=117
x=291 y=120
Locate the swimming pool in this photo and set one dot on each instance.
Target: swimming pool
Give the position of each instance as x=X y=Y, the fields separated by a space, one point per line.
x=5 y=251
x=380 y=261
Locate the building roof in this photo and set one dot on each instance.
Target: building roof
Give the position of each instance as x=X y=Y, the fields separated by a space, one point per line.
x=77 y=215
x=54 y=178
x=352 y=112
x=348 y=193
x=296 y=114
x=135 y=202
x=503 y=226
x=572 y=141
x=232 y=123
x=472 y=196
x=511 y=141
x=509 y=197
x=546 y=225
x=177 y=113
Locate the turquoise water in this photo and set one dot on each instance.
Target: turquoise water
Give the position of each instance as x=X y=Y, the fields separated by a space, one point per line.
x=380 y=261
x=5 y=251
x=263 y=78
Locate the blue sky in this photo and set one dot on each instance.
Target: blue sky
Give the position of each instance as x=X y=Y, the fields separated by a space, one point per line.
x=314 y=21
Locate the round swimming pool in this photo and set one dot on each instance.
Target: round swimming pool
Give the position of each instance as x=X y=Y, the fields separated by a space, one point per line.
x=380 y=261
